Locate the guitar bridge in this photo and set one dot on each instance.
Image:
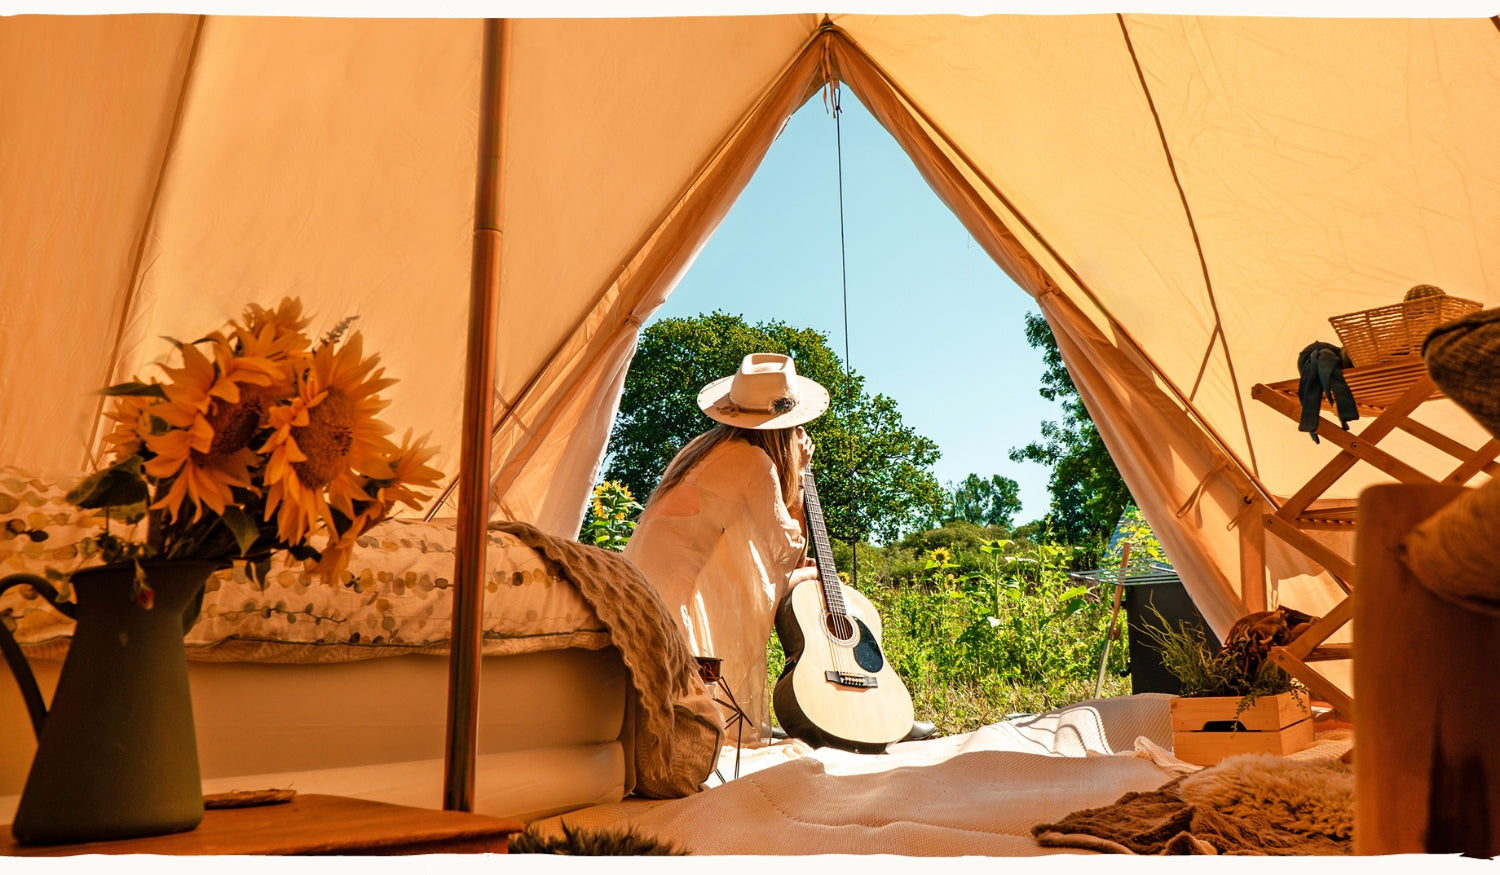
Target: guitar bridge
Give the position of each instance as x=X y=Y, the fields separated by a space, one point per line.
x=852 y=679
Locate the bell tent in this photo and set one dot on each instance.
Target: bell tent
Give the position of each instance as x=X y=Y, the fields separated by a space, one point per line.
x=1189 y=199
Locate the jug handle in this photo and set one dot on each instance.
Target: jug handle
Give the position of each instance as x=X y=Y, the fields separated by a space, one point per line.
x=25 y=678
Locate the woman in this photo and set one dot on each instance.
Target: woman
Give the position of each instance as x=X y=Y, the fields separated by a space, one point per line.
x=722 y=537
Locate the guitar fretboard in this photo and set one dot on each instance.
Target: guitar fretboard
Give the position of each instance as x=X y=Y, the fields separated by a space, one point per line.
x=817 y=532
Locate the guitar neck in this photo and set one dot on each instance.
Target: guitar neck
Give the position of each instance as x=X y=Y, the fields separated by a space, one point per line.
x=817 y=532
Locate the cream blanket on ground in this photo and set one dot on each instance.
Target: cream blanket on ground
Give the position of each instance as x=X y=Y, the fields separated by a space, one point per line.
x=973 y=794
x=678 y=727
x=979 y=793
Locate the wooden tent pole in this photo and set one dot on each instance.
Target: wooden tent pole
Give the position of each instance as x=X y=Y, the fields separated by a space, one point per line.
x=1114 y=630
x=479 y=409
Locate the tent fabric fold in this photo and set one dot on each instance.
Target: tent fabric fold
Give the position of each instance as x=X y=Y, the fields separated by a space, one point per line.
x=1189 y=198
x=604 y=341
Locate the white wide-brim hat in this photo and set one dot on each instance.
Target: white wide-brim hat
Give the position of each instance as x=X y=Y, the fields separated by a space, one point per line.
x=766 y=392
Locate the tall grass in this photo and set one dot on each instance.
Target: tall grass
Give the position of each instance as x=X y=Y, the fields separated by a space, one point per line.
x=981 y=630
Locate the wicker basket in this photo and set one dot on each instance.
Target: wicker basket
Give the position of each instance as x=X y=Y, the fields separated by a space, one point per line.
x=1383 y=334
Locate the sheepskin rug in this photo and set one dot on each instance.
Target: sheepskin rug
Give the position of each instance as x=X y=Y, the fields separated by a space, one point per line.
x=1305 y=796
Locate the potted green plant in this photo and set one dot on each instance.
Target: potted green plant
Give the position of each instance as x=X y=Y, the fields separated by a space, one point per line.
x=1235 y=699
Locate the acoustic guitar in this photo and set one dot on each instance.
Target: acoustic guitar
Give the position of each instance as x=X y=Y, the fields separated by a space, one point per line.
x=837 y=687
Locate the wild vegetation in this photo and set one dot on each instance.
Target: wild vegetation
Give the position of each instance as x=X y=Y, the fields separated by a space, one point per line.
x=985 y=626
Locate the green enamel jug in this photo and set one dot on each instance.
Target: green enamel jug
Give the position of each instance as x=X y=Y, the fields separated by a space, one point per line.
x=117 y=755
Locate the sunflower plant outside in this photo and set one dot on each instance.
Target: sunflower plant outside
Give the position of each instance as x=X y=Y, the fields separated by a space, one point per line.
x=610 y=522
x=258 y=440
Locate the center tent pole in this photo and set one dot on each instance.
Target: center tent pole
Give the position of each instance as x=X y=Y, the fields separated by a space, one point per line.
x=461 y=752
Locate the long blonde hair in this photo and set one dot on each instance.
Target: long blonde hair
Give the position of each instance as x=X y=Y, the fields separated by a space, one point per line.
x=778 y=443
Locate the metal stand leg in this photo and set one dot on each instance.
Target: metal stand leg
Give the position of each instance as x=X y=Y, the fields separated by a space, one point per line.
x=738 y=721
x=709 y=670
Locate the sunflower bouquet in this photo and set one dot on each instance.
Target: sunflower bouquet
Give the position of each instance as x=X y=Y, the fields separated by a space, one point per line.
x=258 y=441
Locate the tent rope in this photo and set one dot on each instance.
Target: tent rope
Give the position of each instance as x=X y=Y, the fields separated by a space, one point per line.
x=838 y=145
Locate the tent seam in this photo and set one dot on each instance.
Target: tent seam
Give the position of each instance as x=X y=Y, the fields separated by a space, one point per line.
x=133 y=290
x=1207 y=354
x=678 y=205
x=1187 y=211
x=1156 y=369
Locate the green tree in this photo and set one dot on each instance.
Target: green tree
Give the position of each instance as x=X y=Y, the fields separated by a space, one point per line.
x=1087 y=491
x=992 y=502
x=864 y=449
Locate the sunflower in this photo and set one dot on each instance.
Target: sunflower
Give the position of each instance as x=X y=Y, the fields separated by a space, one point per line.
x=187 y=393
x=271 y=438
x=410 y=472
x=125 y=438
x=236 y=425
x=255 y=362
x=326 y=440
x=207 y=480
x=203 y=394
x=333 y=560
x=281 y=327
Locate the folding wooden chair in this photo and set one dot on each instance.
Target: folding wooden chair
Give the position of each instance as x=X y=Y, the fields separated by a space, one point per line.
x=1390 y=393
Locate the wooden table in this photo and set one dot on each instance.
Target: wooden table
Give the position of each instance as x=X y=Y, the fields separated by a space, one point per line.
x=310 y=824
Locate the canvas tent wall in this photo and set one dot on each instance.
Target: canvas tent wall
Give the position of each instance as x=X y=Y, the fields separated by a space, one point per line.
x=1188 y=199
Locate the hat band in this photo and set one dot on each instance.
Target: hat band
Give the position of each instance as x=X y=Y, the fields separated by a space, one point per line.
x=784 y=404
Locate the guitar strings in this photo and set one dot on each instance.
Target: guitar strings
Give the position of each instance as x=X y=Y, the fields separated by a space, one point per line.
x=830 y=594
x=840 y=654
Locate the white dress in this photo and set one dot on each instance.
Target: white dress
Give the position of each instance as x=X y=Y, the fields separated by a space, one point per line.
x=719 y=547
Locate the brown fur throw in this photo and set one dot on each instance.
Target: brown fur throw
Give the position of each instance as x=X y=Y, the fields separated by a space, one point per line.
x=1247 y=804
x=592 y=843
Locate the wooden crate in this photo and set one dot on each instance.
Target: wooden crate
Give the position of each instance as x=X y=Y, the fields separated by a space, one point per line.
x=1273 y=724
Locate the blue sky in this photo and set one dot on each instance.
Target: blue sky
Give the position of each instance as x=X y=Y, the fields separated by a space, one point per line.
x=933 y=323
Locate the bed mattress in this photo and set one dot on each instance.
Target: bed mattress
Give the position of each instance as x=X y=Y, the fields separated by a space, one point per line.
x=550 y=729
x=294 y=674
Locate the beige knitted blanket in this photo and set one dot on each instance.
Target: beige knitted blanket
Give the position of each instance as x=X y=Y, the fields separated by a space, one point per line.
x=678 y=729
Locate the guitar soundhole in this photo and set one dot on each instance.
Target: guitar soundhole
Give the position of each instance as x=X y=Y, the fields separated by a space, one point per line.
x=839 y=626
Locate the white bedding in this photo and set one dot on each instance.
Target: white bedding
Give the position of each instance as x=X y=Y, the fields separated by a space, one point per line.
x=398 y=601
x=333 y=728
